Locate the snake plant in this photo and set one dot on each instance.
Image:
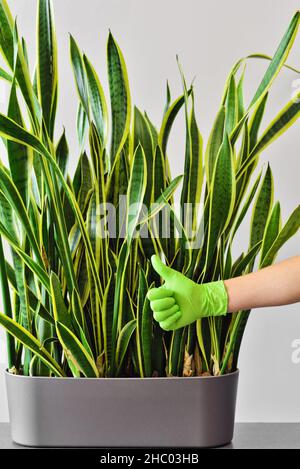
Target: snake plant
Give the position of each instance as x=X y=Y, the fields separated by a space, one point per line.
x=74 y=291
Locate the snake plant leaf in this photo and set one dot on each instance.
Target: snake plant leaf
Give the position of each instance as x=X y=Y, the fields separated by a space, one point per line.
x=33 y=266
x=159 y=176
x=143 y=136
x=119 y=97
x=277 y=62
x=83 y=181
x=119 y=294
x=246 y=206
x=60 y=311
x=80 y=76
x=82 y=124
x=262 y=207
x=22 y=74
x=97 y=100
x=222 y=197
x=231 y=107
x=272 y=230
x=195 y=179
x=279 y=59
x=289 y=229
x=19 y=267
x=6 y=38
x=12 y=195
x=47 y=70
x=7 y=306
x=13 y=53
x=107 y=323
x=256 y=120
x=62 y=153
x=123 y=343
x=136 y=191
x=161 y=201
x=153 y=129
x=142 y=292
x=13 y=131
x=247 y=260
x=146 y=332
x=214 y=144
x=5 y=75
x=19 y=156
x=284 y=119
x=240 y=96
x=30 y=342
x=93 y=223
x=228 y=263
x=168 y=122
x=76 y=353
x=168 y=99
x=177 y=348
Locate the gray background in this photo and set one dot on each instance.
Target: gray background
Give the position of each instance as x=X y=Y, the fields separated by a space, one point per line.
x=209 y=37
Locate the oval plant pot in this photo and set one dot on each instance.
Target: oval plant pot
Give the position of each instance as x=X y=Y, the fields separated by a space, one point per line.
x=108 y=412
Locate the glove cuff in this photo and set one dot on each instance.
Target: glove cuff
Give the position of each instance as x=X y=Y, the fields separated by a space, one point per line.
x=217 y=297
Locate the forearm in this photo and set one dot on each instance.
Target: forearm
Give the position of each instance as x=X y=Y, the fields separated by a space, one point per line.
x=276 y=285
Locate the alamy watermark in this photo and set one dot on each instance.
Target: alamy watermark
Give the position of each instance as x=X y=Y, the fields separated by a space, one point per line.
x=296 y=352
x=157 y=221
x=296 y=91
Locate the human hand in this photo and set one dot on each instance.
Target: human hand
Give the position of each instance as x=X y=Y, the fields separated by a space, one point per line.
x=180 y=301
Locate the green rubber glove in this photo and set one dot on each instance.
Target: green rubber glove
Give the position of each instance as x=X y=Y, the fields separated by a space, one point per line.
x=180 y=301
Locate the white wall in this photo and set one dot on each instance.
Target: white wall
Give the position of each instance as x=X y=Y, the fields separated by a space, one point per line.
x=208 y=36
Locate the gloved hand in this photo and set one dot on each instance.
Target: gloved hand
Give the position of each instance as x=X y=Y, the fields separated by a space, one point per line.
x=180 y=301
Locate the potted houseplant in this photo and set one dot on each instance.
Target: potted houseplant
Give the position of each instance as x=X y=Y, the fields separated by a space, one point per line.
x=88 y=365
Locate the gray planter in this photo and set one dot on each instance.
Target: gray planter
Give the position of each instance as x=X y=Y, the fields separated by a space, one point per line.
x=132 y=412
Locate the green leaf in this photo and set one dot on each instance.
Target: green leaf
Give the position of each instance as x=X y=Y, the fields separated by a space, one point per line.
x=19 y=156
x=13 y=131
x=290 y=229
x=146 y=337
x=272 y=229
x=194 y=176
x=161 y=201
x=75 y=352
x=62 y=153
x=107 y=324
x=47 y=73
x=256 y=120
x=168 y=99
x=119 y=97
x=142 y=292
x=240 y=97
x=231 y=107
x=214 y=144
x=11 y=351
x=262 y=207
x=143 y=136
x=247 y=260
x=168 y=122
x=222 y=197
x=279 y=58
x=97 y=100
x=6 y=35
x=60 y=311
x=13 y=197
x=30 y=342
x=282 y=122
x=136 y=191
x=82 y=124
x=246 y=206
x=80 y=77
x=123 y=342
